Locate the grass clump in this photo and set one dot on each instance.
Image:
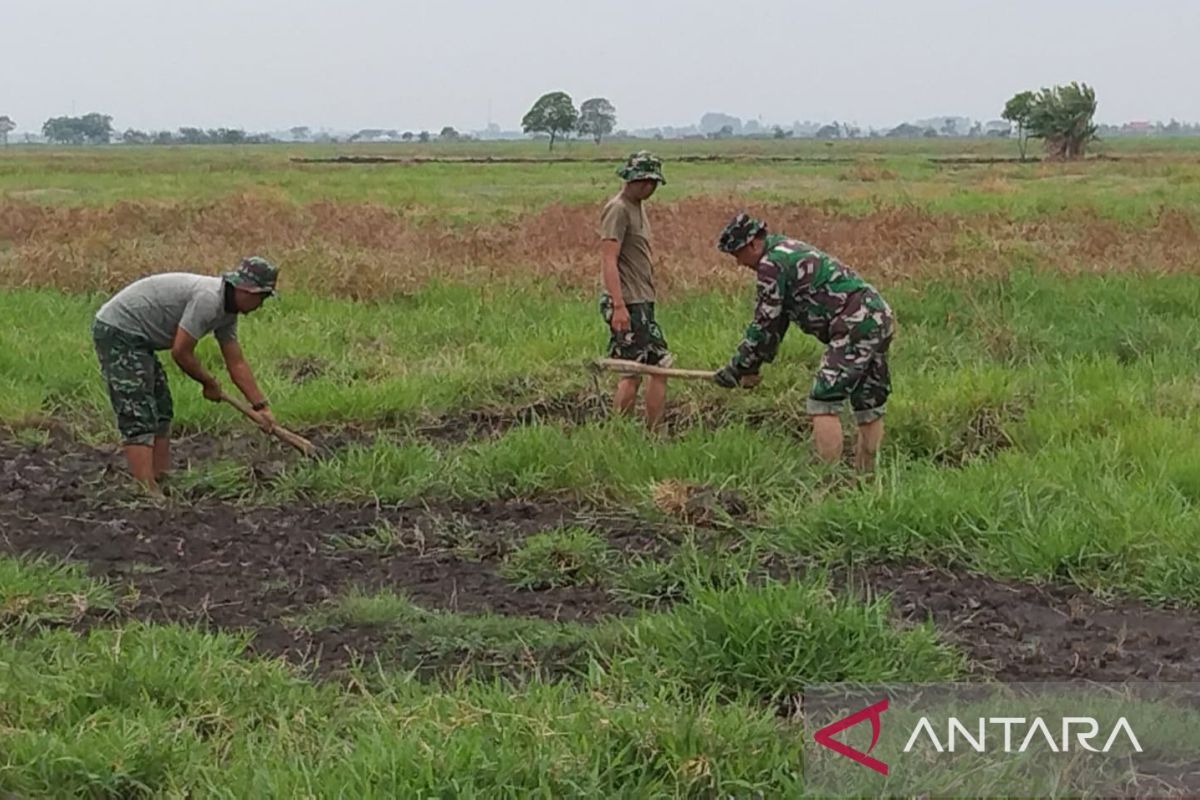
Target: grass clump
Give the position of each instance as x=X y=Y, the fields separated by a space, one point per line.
x=570 y=556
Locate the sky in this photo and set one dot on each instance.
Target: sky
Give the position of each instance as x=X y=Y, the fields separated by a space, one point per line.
x=268 y=64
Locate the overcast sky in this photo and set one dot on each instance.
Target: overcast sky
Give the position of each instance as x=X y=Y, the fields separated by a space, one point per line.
x=348 y=64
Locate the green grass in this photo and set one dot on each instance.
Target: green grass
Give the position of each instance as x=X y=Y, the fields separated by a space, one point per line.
x=454 y=645
x=771 y=641
x=379 y=538
x=162 y=710
x=567 y=557
x=227 y=479
x=40 y=591
x=393 y=361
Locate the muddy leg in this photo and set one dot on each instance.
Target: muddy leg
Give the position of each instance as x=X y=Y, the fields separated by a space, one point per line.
x=162 y=456
x=656 y=398
x=625 y=400
x=141 y=464
x=870 y=435
x=827 y=435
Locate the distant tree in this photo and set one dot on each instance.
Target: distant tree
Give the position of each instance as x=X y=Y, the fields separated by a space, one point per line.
x=407 y=136
x=1063 y=118
x=930 y=133
x=423 y=136
x=780 y=133
x=228 y=136
x=905 y=130
x=300 y=133
x=715 y=122
x=369 y=134
x=63 y=130
x=132 y=136
x=725 y=132
x=164 y=137
x=96 y=128
x=7 y=126
x=553 y=113
x=829 y=131
x=448 y=133
x=949 y=127
x=1018 y=111
x=193 y=136
x=976 y=129
x=597 y=118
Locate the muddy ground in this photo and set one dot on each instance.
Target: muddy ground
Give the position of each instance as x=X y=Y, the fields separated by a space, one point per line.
x=232 y=566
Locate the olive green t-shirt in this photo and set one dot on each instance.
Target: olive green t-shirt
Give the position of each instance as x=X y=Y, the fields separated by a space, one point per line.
x=625 y=221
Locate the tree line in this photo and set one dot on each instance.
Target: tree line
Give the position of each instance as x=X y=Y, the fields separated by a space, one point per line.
x=1062 y=117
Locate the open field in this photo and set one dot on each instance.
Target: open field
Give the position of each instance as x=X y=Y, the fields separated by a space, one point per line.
x=487 y=586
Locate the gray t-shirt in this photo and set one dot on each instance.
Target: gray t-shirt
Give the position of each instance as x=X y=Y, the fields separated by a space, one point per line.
x=153 y=307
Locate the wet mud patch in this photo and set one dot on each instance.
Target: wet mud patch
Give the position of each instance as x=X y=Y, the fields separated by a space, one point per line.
x=263 y=568
x=230 y=566
x=1018 y=631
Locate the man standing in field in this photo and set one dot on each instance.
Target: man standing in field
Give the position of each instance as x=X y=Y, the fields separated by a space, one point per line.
x=797 y=283
x=627 y=301
x=172 y=311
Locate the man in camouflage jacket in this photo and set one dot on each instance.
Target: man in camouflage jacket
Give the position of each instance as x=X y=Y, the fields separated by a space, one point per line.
x=798 y=284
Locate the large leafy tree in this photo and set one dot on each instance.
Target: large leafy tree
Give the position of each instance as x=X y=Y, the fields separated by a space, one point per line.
x=553 y=113
x=597 y=118
x=1063 y=117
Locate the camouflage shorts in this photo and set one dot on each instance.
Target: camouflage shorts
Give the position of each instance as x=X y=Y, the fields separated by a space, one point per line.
x=855 y=364
x=137 y=385
x=643 y=342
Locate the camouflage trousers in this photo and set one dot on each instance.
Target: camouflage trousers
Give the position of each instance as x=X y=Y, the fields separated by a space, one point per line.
x=855 y=364
x=643 y=342
x=137 y=385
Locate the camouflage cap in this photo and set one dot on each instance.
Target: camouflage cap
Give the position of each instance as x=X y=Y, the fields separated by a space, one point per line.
x=740 y=231
x=254 y=274
x=642 y=165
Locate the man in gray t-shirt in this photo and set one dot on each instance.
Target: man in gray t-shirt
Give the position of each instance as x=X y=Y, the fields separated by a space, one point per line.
x=172 y=311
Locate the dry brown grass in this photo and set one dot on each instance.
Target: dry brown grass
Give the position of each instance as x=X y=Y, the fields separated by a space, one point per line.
x=363 y=250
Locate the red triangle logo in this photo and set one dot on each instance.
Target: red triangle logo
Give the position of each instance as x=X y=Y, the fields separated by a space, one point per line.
x=824 y=736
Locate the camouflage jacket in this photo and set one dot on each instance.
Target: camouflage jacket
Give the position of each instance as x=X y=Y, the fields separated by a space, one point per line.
x=799 y=284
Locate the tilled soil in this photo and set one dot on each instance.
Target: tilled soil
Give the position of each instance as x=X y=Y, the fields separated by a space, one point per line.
x=1029 y=632
x=231 y=566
